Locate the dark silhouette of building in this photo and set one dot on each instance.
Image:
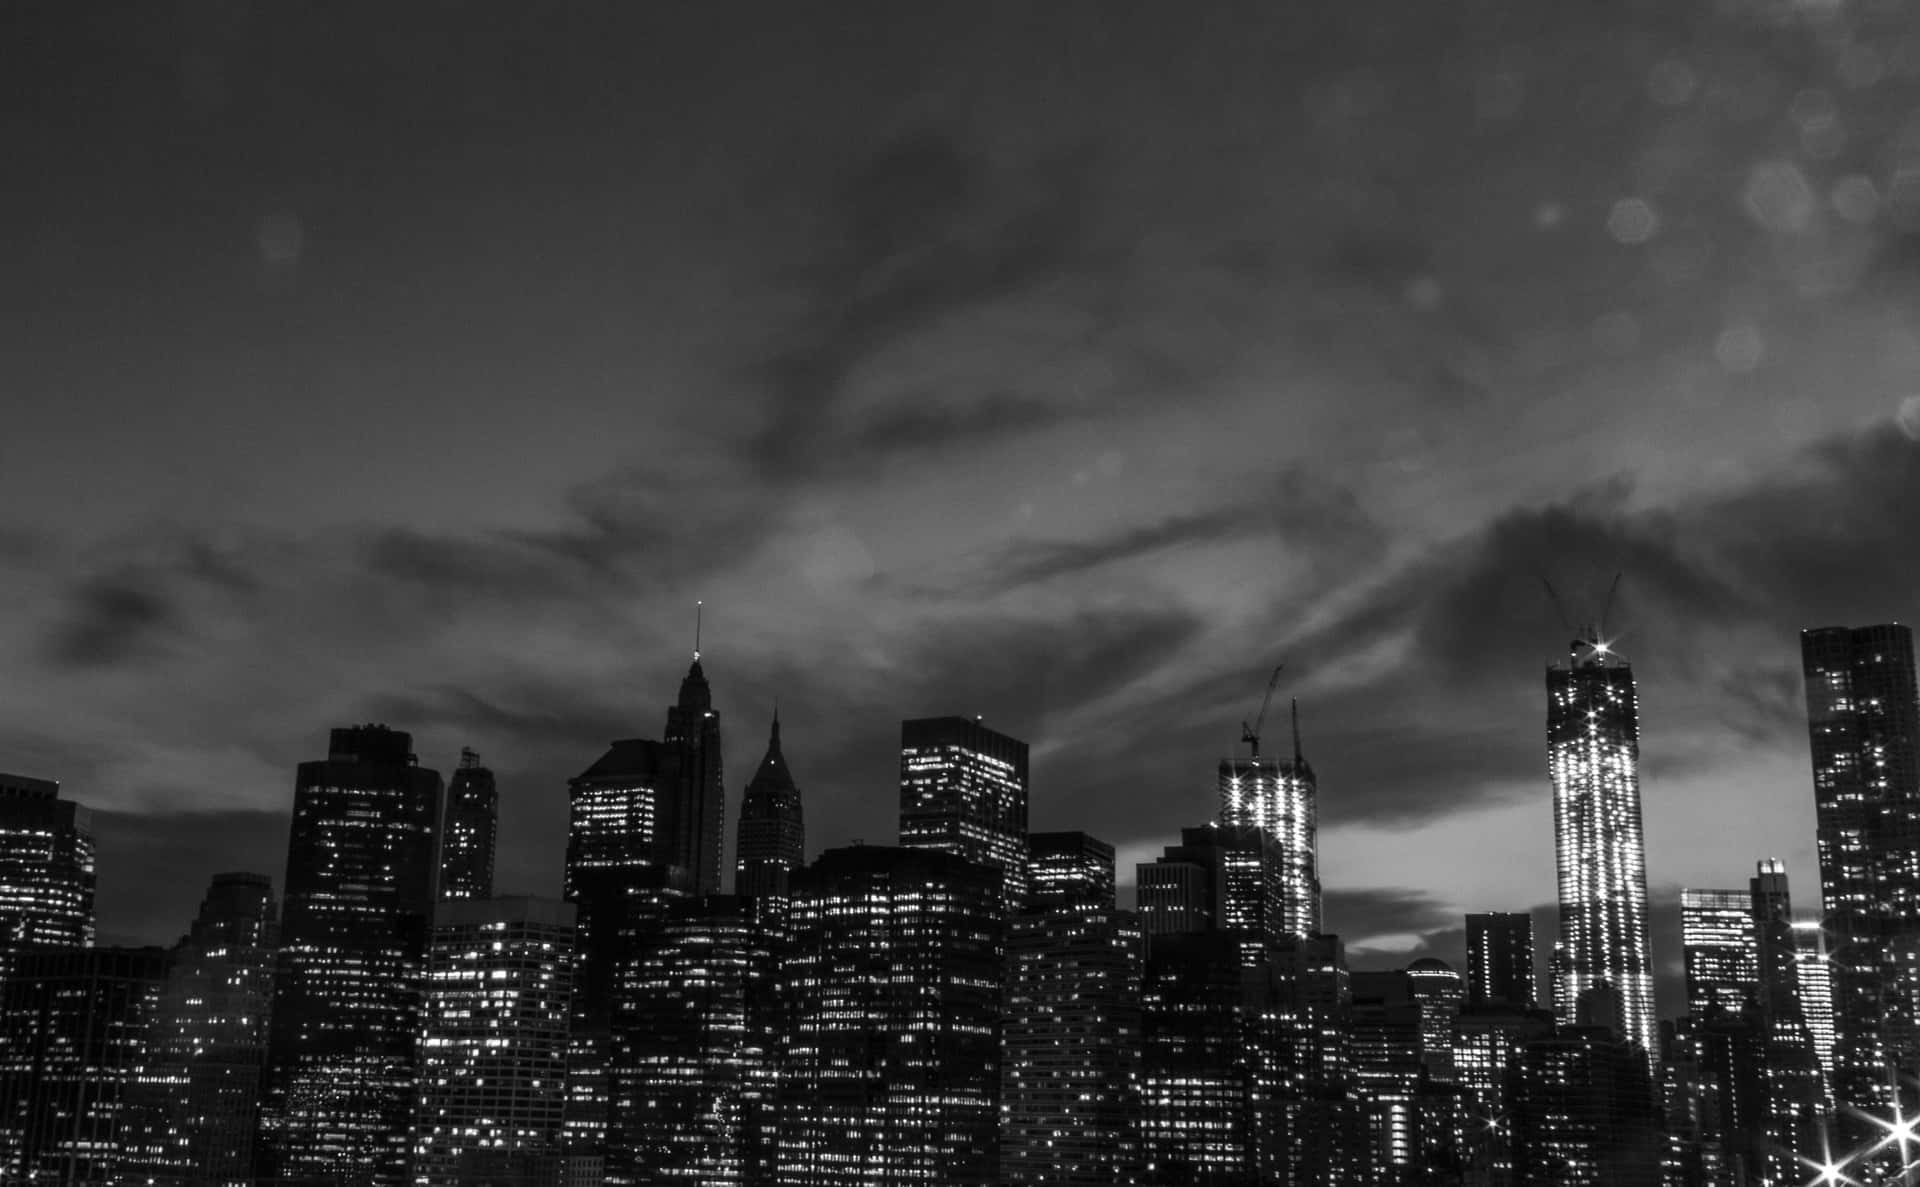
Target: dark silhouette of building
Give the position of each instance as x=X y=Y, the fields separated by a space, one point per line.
x=73 y=1040
x=467 y=840
x=1071 y=1039
x=46 y=867
x=1281 y=798
x=892 y=1070
x=493 y=1056
x=1717 y=944
x=695 y=1031
x=698 y=816
x=197 y=1100
x=1864 y=730
x=963 y=790
x=1584 y=1112
x=772 y=837
x=1500 y=960
x=361 y=879
x=1593 y=755
x=1231 y=878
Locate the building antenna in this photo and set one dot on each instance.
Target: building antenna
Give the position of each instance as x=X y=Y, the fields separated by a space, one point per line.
x=697 y=608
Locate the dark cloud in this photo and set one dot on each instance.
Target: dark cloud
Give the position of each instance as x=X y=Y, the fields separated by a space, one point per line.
x=154 y=867
x=112 y=620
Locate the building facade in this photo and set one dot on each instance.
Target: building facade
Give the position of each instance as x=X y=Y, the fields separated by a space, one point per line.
x=963 y=790
x=1717 y=945
x=1500 y=960
x=360 y=886
x=467 y=839
x=46 y=867
x=1593 y=756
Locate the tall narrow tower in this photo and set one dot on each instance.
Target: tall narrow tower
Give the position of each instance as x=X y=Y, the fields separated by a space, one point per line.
x=1602 y=963
x=772 y=840
x=466 y=843
x=1281 y=798
x=1864 y=729
x=693 y=728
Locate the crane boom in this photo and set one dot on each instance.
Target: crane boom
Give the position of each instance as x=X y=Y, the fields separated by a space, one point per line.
x=1250 y=733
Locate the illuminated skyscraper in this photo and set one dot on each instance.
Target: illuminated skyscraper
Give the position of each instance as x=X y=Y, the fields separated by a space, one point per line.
x=892 y=1071
x=699 y=810
x=46 y=867
x=1593 y=755
x=1814 y=974
x=493 y=1048
x=197 y=1099
x=361 y=877
x=73 y=1037
x=1717 y=941
x=466 y=843
x=1281 y=798
x=1864 y=728
x=963 y=789
x=1500 y=960
x=1070 y=1048
x=773 y=836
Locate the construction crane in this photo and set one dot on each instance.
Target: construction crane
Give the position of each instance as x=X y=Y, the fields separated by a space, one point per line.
x=1250 y=734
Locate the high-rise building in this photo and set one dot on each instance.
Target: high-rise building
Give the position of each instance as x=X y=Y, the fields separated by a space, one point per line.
x=892 y=1072
x=1070 y=1047
x=73 y=1038
x=1500 y=960
x=773 y=835
x=1593 y=755
x=1281 y=798
x=1717 y=942
x=963 y=789
x=699 y=810
x=1069 y=871
x=493 y=1046
x=361 y=877
x=467 y=841
x=1229 y=878
x=196 y=1100
x=1776 y=969
x=46 y=867
x=1813 y=975
x=1584 y=1111
x=694 y=1048
x=1864 y=728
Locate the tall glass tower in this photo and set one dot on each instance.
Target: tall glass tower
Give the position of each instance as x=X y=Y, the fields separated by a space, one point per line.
x=466 y=844
x=693 y=728
x=1602 y=963
x=963 y=789
x=1281 y=798
x=1864 y=729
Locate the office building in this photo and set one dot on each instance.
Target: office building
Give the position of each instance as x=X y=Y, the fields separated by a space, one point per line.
x=46 y=867
x=493 y=1046
x=1583 y=1110
x=467 y=840
x=1864 y=728
x=892 y=1069
x=697 y=821
x=360 y=886
x=1593 y=756
x=73 y=1038
x=1069 y=871
x=1500 y=960
x=963 y=790
x=1229 y=878
x=196 y=1100
x=772 y=838
x=1717 y=944
x=1281 y=798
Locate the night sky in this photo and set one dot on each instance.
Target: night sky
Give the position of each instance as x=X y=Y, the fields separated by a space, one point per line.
x=1069 y=364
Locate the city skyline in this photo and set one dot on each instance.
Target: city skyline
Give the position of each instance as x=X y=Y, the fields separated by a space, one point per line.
x=1070 y=368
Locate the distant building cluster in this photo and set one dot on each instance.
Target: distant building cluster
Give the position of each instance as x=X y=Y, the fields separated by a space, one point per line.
x=970 y=1006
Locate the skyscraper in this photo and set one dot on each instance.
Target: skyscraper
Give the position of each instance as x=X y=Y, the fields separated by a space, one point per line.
x=361 y=877
x=1282 y=799
x=493 y=1048
x=1584 y=1111
x=963 y=789
x=466 y=843
x=773 y=836
x=1229 y=878
x=1069 y=871
x=1717 y=943
x=1500 y=960
x=893 y=1058
x=1593 y=755
x=197 y=1101
x=46 y=867
x=73 y=1037
x=1864 y=729
x=698 y=816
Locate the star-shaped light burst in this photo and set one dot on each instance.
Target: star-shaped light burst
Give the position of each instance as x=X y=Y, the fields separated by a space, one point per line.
x=1903 y=1131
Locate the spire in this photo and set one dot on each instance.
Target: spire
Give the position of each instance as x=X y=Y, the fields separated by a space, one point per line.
x=1298 y=759
x=773 y=771
x=698 y=607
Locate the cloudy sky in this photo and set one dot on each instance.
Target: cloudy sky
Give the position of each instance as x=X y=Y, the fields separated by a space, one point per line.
x=1070 y=364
